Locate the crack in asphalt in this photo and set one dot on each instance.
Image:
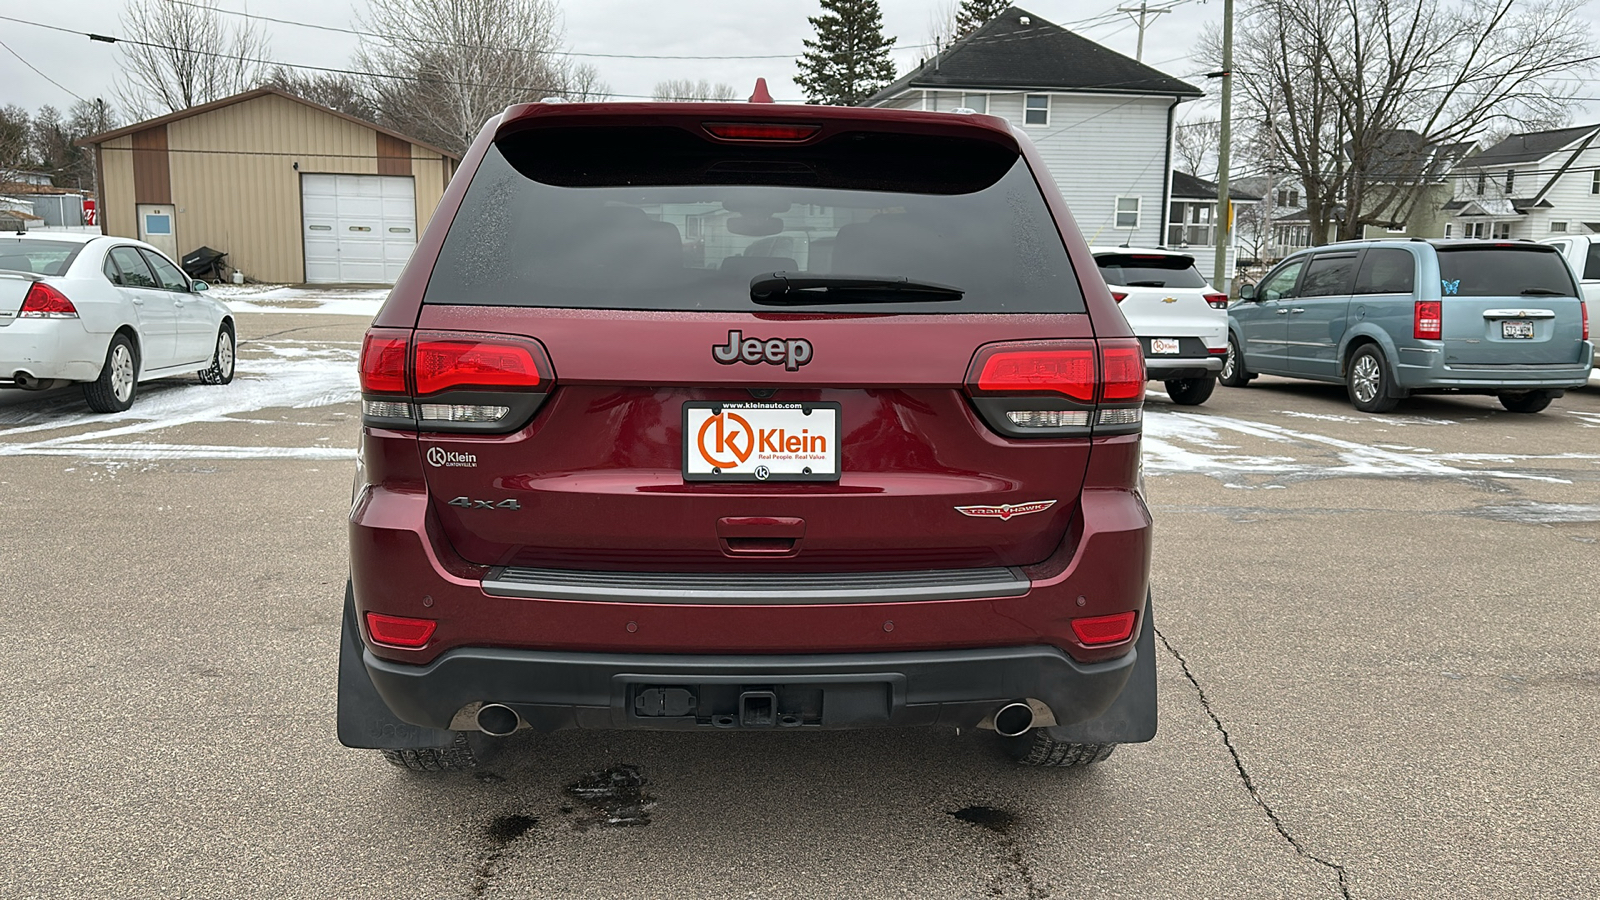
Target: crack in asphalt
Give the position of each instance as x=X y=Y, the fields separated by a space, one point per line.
x=1244 y=774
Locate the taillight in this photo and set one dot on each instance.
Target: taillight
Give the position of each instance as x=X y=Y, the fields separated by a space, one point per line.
x=45 y=302
x=1427 y=320
x=1584 y=309
x=452 y=381
x=1059 y=388
x=1110 y=629
x=1217 y=301
x=400 y=631
x=1119 y=296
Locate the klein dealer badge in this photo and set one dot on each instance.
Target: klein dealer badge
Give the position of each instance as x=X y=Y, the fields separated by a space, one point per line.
x=1005 y=511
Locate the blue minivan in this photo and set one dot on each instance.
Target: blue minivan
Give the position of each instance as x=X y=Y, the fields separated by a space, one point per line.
x=1389 y=319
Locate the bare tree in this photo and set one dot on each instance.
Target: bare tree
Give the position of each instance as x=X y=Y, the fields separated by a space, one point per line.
x=178 y=55
x=16 y=141
x=1194 y=144
x=682 y=89
x=1359 y=96
x=444 y=67
x=344 y=93
x=942 y=27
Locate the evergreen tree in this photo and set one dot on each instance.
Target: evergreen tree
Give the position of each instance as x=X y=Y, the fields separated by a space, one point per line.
x=975 y=14
x=849 y=61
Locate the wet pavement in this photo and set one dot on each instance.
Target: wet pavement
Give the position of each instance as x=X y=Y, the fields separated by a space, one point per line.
x=1378 y=678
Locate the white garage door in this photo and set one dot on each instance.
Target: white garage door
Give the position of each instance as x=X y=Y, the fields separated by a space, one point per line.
x=359 y=229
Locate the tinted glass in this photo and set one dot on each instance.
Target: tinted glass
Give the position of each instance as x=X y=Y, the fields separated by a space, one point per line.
x=1149 y=270
x=110 y=268
x=1329 y=276
x=1281 y=283
x=171 y=277
x=1591 y=266
x=134 y=272
x=1504 y=272
x=1387 y=271
x=679 y=242
x=38 y=257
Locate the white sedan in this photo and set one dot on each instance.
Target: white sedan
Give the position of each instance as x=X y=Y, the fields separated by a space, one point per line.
x=1181 y=321
x=108 y=313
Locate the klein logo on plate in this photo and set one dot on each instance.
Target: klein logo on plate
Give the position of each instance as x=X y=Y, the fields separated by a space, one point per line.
x=1006 y=510
x=761 y=441
x=439 y=458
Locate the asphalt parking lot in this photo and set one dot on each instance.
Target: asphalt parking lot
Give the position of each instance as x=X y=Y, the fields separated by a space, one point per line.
x=1379 y=679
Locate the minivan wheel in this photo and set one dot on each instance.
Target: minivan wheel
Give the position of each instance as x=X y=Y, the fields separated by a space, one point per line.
x=1368 y=381
x=114 y=390
x=221 y=369
x=458 y=756
x=1038 y=748
x=1233 y=373
x=1190 y=391
x=1526 y=401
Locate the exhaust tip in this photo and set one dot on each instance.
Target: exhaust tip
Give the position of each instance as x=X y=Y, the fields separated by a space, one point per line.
x=497 y=720
x=1013 y=719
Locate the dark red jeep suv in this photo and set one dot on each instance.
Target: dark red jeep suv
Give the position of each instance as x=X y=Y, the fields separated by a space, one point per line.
x=700 y=416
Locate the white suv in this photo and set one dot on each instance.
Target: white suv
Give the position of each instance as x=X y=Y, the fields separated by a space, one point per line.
x=1181 y=321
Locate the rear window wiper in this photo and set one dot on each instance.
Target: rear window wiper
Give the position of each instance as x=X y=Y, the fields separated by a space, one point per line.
x=1543 y=292
x=786 y=289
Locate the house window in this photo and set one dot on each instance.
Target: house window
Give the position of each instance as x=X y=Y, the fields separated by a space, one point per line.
x=1483 y=183
x=1594 y=184
x=1288 y=196
x=1558 y=228
x=1037 y=111
x=1475 y=230
x=1502 y=231
x=1127 y=212
x=1283 y=196
x=1190 y=224
x=1397 y=230
x=1511 y=180
x=1448 y=228
x=978 y=103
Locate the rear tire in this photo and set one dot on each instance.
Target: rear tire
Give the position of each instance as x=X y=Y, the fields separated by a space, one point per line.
x=457 y=757
x=1190 y=391
x=118 y=383
x=1526 y=401
x=222 y=359
x=1038 y=749
x=1368 y=380
x=1233 y=371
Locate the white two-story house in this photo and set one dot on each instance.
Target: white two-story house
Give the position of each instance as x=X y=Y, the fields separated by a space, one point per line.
x=1535 y=185
x=1103 y=122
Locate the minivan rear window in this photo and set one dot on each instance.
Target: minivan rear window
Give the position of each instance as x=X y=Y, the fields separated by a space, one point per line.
x=1149 y=270
x=532 y=233
x=1504 y=271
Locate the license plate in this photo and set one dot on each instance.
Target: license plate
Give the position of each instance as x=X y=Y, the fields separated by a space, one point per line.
x=1163 y=345
x=760 y=441
x=1520 y=329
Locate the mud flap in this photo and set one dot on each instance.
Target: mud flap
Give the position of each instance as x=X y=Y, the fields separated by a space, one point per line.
x=364 y=719
x=1131 y=718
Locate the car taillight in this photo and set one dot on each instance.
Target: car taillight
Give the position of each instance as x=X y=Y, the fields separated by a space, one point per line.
x=1094 y=630
x=1427 y=322
x=1217 y=301
x=45 y=302
x=1119 y=296
x=401 y=631
x=452 y=381
x=1583 y=308
x=1059 y=388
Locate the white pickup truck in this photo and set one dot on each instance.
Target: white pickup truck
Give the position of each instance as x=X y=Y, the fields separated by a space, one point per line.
x=1583 y=255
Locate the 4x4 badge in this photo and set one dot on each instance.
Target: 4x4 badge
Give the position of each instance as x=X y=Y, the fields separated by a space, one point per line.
x=791 y=353
x=1006 y=510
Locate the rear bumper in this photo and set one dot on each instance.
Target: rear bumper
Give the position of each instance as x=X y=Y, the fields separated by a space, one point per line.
x=553 y=691
x=46 y=349
x=1420 y=369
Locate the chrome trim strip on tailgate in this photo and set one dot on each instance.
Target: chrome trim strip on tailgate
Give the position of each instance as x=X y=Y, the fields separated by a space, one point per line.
x=755 y=588
x=1519 y=314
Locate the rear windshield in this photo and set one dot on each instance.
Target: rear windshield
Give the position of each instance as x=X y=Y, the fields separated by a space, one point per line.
x=590 y=228
x=1504 y=272
x=1149 y=270
x=38 y=257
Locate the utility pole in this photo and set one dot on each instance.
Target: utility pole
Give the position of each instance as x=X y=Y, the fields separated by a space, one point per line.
x=1144 y=11
x=1223 y=278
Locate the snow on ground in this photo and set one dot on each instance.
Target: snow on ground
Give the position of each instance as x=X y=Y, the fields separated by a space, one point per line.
x=283 y=298
x=290 y=374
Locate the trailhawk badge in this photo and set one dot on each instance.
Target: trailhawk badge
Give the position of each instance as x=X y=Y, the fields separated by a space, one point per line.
x=1006 y=510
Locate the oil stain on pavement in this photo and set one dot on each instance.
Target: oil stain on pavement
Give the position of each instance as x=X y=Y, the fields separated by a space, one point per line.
x=614 y=798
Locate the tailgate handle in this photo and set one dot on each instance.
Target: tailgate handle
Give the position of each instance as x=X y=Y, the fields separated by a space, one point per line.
x=760 y=535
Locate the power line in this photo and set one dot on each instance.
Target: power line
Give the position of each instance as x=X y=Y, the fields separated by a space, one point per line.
x=37 y=70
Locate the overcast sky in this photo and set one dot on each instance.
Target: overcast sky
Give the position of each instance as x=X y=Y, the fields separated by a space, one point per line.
x=681 y=27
